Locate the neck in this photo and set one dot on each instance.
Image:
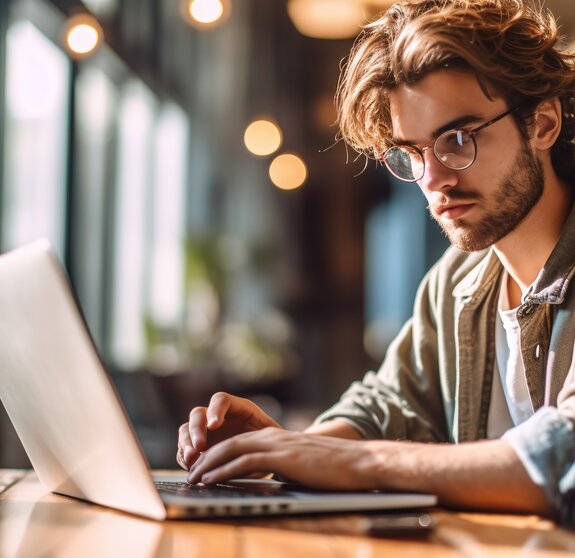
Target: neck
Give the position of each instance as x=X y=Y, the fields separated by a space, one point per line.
x=524 y=251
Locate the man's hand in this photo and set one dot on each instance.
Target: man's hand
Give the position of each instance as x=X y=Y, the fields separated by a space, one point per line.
x=225 y=416
x=476 y=475
x=318 y=461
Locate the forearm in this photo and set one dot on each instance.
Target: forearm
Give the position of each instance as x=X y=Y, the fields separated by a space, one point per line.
x=335 y=428
x=478 y=475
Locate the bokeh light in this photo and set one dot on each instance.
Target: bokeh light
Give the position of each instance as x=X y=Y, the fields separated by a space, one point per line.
x=82 y=35
x=288 y=171
x=206 y=13
x=327 y=19
x=263 y=137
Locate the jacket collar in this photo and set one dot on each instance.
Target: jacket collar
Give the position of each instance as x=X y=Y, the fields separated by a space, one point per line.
x=480 y=277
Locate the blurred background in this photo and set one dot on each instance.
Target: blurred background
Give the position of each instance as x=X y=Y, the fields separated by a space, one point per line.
x=181 y=157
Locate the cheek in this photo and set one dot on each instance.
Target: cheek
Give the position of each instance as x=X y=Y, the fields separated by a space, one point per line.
x=486 y=172
x=495 y=158
x=497 y=164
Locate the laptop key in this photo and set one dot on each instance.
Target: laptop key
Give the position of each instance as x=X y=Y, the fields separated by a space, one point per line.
x=213 y=491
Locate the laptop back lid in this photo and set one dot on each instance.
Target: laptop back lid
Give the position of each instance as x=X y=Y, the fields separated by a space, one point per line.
x=57 y=393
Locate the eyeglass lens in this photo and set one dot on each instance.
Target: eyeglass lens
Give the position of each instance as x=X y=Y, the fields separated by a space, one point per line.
x=406 y=163
x=455 y=149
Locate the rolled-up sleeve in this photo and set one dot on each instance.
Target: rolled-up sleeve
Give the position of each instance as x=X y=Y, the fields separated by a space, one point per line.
x=545 y=445
x=376 y=410
x=403 y=400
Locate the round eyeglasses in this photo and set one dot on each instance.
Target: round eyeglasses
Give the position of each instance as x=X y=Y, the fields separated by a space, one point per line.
x=455 y=149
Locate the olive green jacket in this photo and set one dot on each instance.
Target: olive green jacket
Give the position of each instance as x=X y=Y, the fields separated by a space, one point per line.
x=435 y=382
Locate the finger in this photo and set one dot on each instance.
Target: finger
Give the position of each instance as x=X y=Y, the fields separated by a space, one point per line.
x=227 y=450
x=184 y=437
x=197 y=429
x=184 y=446
x=191 y=455
x=219 y=406
x=180 y=460
x=205 y=463
x=186 y=456
x=243 y=466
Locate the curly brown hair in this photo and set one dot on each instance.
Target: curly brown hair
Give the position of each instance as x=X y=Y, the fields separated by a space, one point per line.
x=512 y=46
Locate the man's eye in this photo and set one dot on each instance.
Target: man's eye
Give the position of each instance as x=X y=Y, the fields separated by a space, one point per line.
x=455 y=139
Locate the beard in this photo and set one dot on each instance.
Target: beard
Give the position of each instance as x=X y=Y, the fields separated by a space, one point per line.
x=518 y=192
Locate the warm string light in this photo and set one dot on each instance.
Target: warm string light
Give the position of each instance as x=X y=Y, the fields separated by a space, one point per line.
x=82 y=35
x=206 y=13
x=327 y=19
x=322 y=19
x=333 y=19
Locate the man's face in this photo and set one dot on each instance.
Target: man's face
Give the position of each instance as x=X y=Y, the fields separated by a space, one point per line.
x=481 y=205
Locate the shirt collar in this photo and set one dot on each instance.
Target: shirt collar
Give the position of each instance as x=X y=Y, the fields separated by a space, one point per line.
x=552 y=282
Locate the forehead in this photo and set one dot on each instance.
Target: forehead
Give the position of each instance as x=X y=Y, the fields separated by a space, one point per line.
x=419 y=109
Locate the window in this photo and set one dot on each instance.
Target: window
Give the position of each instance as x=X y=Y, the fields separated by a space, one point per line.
x=167 y=247
x=131 y=225
x=35 y=169
x=95 y=118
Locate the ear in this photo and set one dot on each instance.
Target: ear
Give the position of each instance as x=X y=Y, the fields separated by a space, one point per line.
x=547 y=124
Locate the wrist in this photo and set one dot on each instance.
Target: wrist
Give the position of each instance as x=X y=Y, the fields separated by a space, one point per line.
x=374 y=464
x=396 y=465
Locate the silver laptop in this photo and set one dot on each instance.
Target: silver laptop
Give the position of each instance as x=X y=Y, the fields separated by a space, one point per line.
x=75 y=431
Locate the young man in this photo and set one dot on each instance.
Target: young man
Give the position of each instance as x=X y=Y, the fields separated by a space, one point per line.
x=475 y=401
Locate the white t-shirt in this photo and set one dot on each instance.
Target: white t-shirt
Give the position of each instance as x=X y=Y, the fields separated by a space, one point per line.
x=510 y=401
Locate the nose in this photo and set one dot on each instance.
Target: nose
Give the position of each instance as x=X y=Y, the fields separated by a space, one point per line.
x=437 y=177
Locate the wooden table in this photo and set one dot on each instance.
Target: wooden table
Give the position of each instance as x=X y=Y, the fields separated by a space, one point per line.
x=34 y=523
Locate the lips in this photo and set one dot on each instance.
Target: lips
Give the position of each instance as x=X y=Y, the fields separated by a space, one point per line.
x=453 y=211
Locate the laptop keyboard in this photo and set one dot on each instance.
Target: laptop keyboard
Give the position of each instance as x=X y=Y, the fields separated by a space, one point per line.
x=214 y=491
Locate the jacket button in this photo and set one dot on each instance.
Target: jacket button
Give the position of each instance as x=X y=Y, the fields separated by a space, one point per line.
x=528 y=309
x=537 y=351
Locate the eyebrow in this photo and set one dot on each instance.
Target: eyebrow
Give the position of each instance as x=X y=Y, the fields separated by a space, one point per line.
x=451 y=125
